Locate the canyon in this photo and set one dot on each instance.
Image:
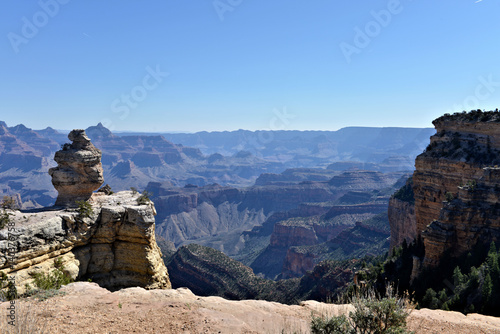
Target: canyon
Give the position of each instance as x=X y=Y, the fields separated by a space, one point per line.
x=259 y=225
x=135 y=159
x=279 y=224
x=302 y=233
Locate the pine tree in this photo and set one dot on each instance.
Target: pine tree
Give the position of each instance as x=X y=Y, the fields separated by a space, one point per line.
x=458 y=277
x=430 y=299
x=493 y=260
x=487 y=289
x=443 y=297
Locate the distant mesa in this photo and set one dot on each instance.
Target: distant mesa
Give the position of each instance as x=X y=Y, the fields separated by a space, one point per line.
x=79 y=170
x=243 y=154
x=99 y=131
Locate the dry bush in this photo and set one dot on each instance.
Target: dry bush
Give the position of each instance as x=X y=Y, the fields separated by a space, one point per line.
x=373 y=314
x=28 y=319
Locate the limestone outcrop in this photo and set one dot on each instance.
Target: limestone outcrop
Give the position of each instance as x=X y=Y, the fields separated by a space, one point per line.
x=114 y=245
x=457 y=185
x=79 y=170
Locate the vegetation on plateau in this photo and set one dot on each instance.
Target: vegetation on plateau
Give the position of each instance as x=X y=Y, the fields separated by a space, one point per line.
x=48 y=284
x=471 y=116
x=144 y=198
x=372 y=314
x=469 y=283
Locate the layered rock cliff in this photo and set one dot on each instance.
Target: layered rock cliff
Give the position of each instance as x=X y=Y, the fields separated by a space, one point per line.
x=114 y=245
x=402 y=217
x=457 y=185
x=365 y=237
x=222 y=217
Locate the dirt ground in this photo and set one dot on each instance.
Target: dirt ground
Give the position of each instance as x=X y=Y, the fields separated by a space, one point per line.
x=87 y=308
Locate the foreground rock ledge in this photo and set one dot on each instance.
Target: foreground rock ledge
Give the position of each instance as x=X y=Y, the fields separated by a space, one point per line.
x=115 y=246
x=87 y=308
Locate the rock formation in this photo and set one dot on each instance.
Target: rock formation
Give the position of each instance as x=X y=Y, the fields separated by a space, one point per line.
x=79 y=170
x=403 y=222
x=367 y=237
x=110 y=240
x=298 y=244
x=114 y=246
x=211 y=273
x=402 y=217
x=457 y=185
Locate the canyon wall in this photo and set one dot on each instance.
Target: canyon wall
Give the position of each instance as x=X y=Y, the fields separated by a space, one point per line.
x=457 y=185
x=403 y=222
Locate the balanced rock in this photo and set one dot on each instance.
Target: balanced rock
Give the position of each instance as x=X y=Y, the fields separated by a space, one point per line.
x=79 y=170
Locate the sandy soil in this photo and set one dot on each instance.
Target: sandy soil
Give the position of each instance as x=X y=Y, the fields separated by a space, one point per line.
x=87 y=308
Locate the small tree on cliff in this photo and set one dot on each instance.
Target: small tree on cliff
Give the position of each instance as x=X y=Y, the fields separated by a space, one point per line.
x=144 y=198
x=84 y=209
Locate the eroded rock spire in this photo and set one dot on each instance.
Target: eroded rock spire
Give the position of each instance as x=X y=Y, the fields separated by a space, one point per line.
x=79 y=170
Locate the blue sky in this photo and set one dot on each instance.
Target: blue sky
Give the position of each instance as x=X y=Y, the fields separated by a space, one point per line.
x=173 y=65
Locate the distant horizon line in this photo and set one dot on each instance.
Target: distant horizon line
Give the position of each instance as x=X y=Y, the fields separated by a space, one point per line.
x=263 y=130
x=222 y=131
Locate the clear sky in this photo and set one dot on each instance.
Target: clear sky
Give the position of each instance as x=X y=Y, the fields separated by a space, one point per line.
x=192 y=65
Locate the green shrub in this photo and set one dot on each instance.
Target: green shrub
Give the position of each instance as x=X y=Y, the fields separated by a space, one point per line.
x=430 y=299
x=144 y=198
x=405 y=193
x=134 y=190
x=334 y=325
x=8 y=290
x=8 y=202
x=42 y=295
x=4 y=218
x=371 y=315
x=52 y=280
x=84 y=209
